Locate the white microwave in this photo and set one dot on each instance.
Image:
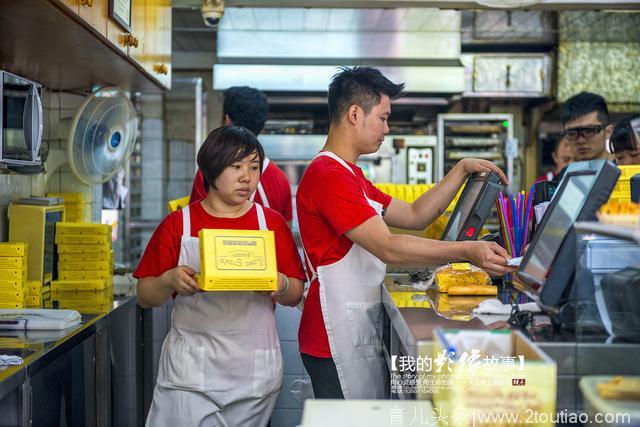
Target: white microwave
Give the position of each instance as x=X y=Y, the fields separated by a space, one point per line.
x=20 y=121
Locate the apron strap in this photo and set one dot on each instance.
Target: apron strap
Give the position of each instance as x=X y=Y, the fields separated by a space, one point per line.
x=262 y=222
x=186 y=222
x=260 y=189
x=337 y=158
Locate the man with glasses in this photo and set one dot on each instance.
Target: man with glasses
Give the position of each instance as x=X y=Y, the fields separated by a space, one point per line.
x=585 y=123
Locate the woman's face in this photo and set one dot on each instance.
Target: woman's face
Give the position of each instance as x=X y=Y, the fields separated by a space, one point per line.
x=239 y=180
x=628 y=157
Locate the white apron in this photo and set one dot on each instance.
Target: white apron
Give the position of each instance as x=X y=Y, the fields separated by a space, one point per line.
x=260 y=188
x=220 y=363
x=351 y=301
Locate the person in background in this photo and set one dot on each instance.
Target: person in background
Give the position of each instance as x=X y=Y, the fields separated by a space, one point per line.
x=344 y=223
x=585 y=124
x=248 y=107
x=625 y=141
x=221 y=363
x=562 y=156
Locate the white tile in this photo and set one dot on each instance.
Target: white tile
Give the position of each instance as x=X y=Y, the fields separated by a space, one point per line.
x=286 y=399
x=287 y=321
x=292 y=361
x=286 y=418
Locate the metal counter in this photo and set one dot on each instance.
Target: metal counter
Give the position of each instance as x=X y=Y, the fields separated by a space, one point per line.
x=68 y=375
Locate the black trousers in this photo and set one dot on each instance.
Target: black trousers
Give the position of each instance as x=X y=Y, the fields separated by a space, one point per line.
x=324 y=377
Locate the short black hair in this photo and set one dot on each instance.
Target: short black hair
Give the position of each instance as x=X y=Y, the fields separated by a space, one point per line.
x=223 y=147
x=582 y=104
x=624 y=137
x=246 y=107
x=362 y=86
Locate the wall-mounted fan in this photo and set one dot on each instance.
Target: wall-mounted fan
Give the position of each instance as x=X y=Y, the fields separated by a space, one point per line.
x=102 y=136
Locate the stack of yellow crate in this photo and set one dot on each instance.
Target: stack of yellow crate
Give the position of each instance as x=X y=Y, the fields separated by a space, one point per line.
x=74 y=206
x=85 y=267
x=13 y=275
x=33 y=294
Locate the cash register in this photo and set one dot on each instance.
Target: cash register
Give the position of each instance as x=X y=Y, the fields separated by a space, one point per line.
x=547 y=269
x=475 y=203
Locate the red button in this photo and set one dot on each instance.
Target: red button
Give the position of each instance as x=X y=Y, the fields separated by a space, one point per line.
x=470 y=231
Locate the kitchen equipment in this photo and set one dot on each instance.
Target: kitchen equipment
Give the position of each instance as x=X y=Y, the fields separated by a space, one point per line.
x=102 y=136
x=20 y=123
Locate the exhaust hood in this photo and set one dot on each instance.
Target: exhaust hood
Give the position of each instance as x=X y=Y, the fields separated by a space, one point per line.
x=298 y=50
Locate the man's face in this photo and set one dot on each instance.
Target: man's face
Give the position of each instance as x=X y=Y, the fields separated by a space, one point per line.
x=373 y=127
x=587 y=137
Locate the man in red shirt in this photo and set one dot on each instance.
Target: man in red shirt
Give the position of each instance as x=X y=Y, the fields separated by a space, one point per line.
x=248 y=107
x=344 y=223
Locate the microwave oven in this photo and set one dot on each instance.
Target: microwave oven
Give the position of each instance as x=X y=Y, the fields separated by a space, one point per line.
x=20 y=121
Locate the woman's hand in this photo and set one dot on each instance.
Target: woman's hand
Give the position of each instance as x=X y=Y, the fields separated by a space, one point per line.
x=489 y=256
x=181 y=280
x=283 y=286
x=471 y=166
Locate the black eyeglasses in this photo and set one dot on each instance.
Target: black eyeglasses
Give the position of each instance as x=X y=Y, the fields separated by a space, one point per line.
x=586 y=132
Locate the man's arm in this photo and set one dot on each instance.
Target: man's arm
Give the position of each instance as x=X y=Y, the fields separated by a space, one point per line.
x=374 y=236
x=428 y=207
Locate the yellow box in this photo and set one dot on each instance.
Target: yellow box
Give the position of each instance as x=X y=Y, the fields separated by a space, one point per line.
x=85 y=265
x=82 y=228
x=10 y=285
x=83 y=249
x=483 y=390
x=11 y=304
x=238 y=260
x=84 y=274
x=87 y=297
x=80 y=285
x=12 y=274
x=13 y=249
x=12 y=294
x=33 y=288
x=68 y=197
x=80 y=257
x=82 y=239
x=13 y=262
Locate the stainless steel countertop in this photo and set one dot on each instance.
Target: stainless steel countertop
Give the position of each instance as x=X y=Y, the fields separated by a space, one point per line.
x=38 y=347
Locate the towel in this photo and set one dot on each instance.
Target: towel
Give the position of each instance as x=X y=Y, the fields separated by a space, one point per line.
x=38 y=319
x=6 y=360
x=494 y=306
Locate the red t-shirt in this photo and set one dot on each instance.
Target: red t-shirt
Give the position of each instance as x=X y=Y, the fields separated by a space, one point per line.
x=163 y=250
x=329 y=202
x=275 y=184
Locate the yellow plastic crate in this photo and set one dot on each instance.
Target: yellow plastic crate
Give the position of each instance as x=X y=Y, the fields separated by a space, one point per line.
x=91 y=297
x=410 y=193
x=13 y=249
x=33 y=302
x=80 y=285
x=12 y=295
x=83 y=249
x=238 y=260
x=84 y=274
x=33 y=288
x=13 y=262
x=82 y=228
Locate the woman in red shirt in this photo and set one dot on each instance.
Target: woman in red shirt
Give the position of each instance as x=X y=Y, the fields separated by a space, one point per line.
x=221 y=362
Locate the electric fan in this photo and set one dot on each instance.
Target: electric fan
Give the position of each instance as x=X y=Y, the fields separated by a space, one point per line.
x=102 y=136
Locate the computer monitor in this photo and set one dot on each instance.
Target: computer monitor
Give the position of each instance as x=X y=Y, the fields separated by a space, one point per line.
x=473 y=207
x=547 y=267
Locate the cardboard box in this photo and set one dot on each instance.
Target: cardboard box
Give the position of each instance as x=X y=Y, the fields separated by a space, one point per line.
x=237 y=260
x=496 y=378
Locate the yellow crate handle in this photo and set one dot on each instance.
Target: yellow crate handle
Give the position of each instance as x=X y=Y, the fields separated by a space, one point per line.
x=176 y=204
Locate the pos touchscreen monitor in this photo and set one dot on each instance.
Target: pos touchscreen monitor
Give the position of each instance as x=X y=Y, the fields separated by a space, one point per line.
x=547 y=268
x=473 y=207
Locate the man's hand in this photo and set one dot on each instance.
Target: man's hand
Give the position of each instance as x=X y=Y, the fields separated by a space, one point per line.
x=181 y=280
x=489 y=256
x=471 y=166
